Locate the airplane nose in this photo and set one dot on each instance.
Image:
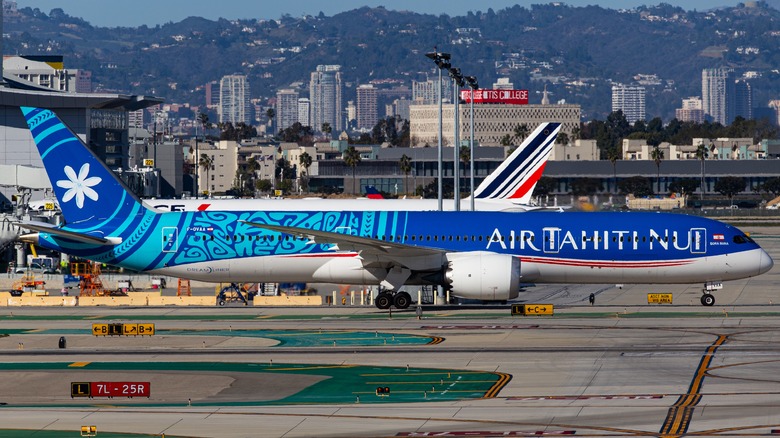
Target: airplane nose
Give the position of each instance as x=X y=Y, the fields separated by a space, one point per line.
x=765 y=262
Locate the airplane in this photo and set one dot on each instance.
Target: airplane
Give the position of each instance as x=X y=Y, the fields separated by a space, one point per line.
x=508 y=188
x=473 y=254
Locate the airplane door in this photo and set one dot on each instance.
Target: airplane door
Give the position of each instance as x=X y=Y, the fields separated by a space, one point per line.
x=552 y=238
x=698 y=240
x=170 y=236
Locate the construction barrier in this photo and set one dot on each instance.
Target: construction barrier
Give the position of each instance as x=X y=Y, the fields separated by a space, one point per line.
x=288 y=300
x=42 y=301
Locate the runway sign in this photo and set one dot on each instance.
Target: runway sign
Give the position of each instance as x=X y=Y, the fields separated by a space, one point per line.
x=110 y=389
x=537 y=309
x=659 y=298
x=100 y=329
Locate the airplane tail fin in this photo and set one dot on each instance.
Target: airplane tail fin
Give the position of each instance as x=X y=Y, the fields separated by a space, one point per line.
x=373 y=193
x=89 y=193
x=517 y=176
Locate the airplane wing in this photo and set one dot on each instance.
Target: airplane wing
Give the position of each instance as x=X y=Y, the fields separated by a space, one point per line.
x=363 y=245
x=48 y=228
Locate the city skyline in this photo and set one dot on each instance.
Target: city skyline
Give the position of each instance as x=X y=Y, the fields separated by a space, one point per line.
x=152 y=13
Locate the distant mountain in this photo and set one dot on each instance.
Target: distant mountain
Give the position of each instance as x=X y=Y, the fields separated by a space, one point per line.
x=577 y=51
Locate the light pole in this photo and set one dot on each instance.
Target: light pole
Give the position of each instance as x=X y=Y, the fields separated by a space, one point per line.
x=442 y=61
x=472 y=81
x=457 y=82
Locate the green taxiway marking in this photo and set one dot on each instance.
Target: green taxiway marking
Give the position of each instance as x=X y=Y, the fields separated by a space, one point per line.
x=286 y=338
x=341 y=384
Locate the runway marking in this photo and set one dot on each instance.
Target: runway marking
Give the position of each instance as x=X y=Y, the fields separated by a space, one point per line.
x=679 y=415
x=78 y=364
x=498 y=386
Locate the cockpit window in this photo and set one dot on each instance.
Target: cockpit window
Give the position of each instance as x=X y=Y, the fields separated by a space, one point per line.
x=744 y=238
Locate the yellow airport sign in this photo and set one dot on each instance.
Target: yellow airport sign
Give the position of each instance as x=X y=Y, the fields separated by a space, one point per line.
x=146 y=329
x=537 y=309
x=79 y=389
x=100 y=329
x=130 y=329
x=659 y=298
x=148 y=162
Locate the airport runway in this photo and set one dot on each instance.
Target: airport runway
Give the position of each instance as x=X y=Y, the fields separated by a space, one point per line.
x=619 y=368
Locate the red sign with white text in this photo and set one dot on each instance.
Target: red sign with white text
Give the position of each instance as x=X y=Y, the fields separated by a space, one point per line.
x=120 y=389
x=511 y=97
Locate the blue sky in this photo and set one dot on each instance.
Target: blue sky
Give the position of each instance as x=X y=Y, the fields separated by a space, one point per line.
x=152 y=12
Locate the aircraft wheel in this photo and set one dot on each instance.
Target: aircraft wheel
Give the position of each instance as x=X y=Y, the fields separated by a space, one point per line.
x=708 y=300
x=384 y=301
x=221 y=302
x=402 y=300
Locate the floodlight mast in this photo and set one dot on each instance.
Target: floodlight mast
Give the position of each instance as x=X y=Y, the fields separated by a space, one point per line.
x=442 y=61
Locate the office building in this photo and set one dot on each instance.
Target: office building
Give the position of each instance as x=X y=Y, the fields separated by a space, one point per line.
x=629 y=99
x=325 y=95
x=691 y=110
x=304 y=111
x=367 y=111
x=234 y=105
x=717 y=93
x=743 y=100
x=424 y=92
x=286 y=108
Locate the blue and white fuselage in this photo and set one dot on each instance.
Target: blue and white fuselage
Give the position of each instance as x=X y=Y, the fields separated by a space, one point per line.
x=481 y=255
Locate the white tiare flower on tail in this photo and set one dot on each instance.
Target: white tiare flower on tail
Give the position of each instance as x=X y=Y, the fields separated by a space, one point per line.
x=79 y=185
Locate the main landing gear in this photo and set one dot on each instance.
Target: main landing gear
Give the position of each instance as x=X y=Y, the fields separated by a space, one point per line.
x=708 y=299
x=385 y=299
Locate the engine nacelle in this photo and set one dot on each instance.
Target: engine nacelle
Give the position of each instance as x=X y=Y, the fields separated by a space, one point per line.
x=483 y=275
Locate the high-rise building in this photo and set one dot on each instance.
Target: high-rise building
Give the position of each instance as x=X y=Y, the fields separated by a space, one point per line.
x=503 y=84
x=286 y=108
x=304 y=111
x=212 y=94
x=234 y=104
x=367 y=112
x=424 y=93
x=691 y=110
x=631 y=100
x=325 y=90
x=743 y=100
x=717 y=94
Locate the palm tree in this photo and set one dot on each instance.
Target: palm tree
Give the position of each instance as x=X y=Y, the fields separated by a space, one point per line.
x=326 y=129
x=252 y=166
x=657 y=155
x=270 y=113
x=563 y=138
x=702 y=152
x=613 y=155
x=521 y=131
x=203 y=119
x=351 y=158
x=465 y=158
x=406 y=166
x=305 y=161
x=205 y=163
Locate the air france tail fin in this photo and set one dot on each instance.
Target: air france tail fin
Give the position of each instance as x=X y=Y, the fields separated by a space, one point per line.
x=517 y=176
x=89 y=193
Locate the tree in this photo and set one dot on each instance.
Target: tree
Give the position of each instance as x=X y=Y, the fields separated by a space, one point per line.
x=270 y=113
x=613 y=155
x=639 y=186
x=205 y=162
x=545 y=186
x=585 y=186
x=772 y=185
x=326 y=129
x=405 y=164
x=305 y=161
x=465 y=158
x=351 y=158
x=521 y=131
x=684 y=186
x=506 y=140
x=563 y=139
x=657 y=155
x=729 y=186
x=702 y=152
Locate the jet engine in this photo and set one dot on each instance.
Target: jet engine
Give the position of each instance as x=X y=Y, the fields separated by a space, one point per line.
x=483 y=275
